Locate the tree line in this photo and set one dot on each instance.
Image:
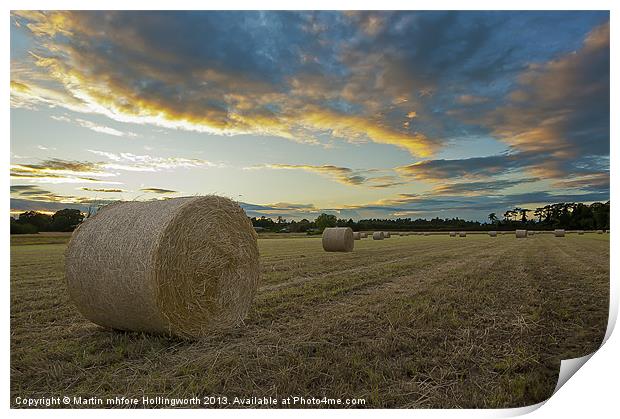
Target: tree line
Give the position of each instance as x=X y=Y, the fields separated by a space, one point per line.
x=31 y=222
x=571 y=216
x=568 y=215
x=561 y=215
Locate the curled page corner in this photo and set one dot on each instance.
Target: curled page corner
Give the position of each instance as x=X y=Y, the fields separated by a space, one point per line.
x=568 y=368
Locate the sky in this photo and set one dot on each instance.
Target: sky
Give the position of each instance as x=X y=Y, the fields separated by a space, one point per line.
x=359 y=114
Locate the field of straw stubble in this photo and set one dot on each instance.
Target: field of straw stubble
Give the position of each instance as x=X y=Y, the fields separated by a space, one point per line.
x=418 y=321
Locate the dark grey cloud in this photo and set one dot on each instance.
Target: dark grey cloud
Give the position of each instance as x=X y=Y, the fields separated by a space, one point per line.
x=158 y=191
x=491 y=187
x=443 y=170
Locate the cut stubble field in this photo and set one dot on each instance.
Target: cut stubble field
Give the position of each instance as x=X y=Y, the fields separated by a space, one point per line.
x=409 y=322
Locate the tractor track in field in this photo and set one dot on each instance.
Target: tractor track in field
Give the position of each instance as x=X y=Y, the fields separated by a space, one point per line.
x=429 y=274
x=377 y=265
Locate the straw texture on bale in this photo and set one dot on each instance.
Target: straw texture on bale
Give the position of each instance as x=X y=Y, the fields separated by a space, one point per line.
x=493 y=233
x=183 y=266
x=453 y=234
x=338 y=239
x=462 y=234
x=521 y=234
x=559 y=232
x=363 y=235
x=386 y=235
x=356 y=235
x=377 y=235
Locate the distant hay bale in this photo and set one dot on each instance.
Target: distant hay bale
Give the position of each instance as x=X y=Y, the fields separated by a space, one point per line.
x=183 y=266
x=338 y=239
x=386 y=234
x=493 y=233
x=378 y=235
x=453 y=234
x=580 y=232
x=356 y=235
x=363 y=235
x=462 y=234
x=558 y=232
x=530 y=233
x=599 y=232
x=426 y=233
x=521 y=234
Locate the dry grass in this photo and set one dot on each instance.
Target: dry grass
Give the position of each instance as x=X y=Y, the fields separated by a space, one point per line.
x=414 y=322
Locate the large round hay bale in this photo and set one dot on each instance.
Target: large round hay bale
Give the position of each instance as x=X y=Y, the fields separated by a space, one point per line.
x=386 y=234
x=338 y=239
x=183 y=266
x=462 y=234
x=521 y=234
x=363 y=235
x=530 y=233
x=378 y=235
x=453 y=234
x=493 y=233
x=559 y=232
x=356 y=235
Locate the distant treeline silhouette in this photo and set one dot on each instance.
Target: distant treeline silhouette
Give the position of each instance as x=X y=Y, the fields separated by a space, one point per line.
x=31 y=222
x=561 y=215
x=571 y=216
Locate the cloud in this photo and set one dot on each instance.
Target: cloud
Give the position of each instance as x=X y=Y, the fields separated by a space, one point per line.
x=233 y=82
x=559 y=109
x=68 y=171
x=147 y=163
x=442 y=170
x=344 y=175
x=105 y=190
x=35 y=193
x=381 y=182
x=62 y=171
x=94 y=126
x=291 y=206
x=41 y=147
x=592 y=182
x=492 y=187
x=158 y=191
